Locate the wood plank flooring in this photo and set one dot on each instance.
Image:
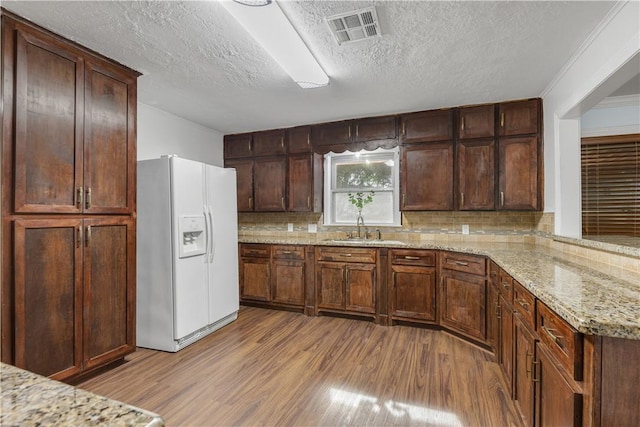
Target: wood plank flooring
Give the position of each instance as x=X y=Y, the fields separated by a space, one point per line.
x=276 y=368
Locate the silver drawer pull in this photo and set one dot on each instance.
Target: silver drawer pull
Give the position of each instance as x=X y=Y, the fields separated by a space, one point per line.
x=523 y=303
x=412 y=258
x=287 y=252
x=461 y=263
x=505 y=285
x=346 y=255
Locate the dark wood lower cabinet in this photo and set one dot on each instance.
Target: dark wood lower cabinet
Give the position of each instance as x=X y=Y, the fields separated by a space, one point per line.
x=288 y=282
x=413 y=293
x=273 y=276
x=559 y=399
x=505 y=355
x=74 y=293
x=255 y=279
x=523 y=381
x=347 y=287
x=462 y=303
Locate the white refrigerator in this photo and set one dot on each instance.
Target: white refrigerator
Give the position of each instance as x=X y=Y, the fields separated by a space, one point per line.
x=187 y=251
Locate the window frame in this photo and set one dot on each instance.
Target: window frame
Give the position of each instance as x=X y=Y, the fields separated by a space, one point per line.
x=329 y=190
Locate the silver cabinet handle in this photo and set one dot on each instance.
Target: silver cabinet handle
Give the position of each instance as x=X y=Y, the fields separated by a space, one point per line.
x=88 y=198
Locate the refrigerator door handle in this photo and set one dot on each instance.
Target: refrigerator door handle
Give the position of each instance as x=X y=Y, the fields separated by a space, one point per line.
x=207 y=234
x=211 y=234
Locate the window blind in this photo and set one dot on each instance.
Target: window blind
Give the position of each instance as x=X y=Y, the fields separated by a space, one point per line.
x=611 y=185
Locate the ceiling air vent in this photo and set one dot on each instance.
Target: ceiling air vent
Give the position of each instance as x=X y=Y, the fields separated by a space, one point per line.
x=353 y=26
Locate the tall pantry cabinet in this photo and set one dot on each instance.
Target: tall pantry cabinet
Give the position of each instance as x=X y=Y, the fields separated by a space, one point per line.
x=68 y=204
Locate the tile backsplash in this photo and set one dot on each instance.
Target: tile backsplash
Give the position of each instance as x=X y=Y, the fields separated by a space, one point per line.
x=431 y=222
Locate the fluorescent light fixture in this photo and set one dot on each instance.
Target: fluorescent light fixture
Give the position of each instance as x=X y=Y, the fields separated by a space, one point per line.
x=269 y=26
x=253 y=2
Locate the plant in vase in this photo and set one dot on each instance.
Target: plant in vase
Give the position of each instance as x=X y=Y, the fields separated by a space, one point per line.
x=359 y=200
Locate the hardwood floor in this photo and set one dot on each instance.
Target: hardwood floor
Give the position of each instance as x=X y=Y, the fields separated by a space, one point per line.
x=276 y=368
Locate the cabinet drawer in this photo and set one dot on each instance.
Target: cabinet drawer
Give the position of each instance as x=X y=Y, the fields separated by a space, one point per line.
x=255 y=250
x=288 y=252
x=505 y=285
x=347 y=254
x=465 y=263
x=562 y=340
x=525 y=303
x=412 y=257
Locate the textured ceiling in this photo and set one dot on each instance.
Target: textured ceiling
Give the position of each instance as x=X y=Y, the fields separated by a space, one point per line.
x=200 y=65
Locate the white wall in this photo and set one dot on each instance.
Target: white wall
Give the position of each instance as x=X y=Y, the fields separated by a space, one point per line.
x=609 y=58
x=613 y=116
x=161 y=133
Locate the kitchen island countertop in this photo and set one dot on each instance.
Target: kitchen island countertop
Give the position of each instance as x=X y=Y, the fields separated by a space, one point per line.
x=29 y=399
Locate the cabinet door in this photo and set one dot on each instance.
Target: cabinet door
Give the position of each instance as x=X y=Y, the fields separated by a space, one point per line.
x=506 y=339
x=109 y=139
x=462 y=303
x=244 y=183
x=303 y=182
x=330 y=285
x=109 y=289
x=427 y=126
x=523 y=384
x=49 y=116
x=361 y=288
x=269 y=143
x=559 y=402
x=337 y=133
x=255 y=281
x=427 y=177
x=238 y=146
x=413 y=292
x=518 y=173
x=270 y=183
x=518 y=118
x=493 y=318
x=288 y=282
x=375 y=128
x=476 y=122
x=48 y=296
x=476 y=175
x=299 y=139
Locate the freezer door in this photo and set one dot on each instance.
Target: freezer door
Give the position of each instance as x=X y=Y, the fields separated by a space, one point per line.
x=191 y=293
x=223 y=249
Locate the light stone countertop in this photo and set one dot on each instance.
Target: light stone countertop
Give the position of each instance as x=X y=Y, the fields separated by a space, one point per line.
x=592 y=302
x=29 y=399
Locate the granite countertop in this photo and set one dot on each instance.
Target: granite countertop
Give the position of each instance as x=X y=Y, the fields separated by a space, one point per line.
x=29 y=399
x=591 y=301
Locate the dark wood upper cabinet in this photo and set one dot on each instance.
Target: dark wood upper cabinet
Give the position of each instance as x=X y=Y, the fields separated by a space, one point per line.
x=426 y=176
x=49 y=118
x=518 y=117
x=305 y=183
x=299 y=139
x=476 y=122
x=518 y=173
x=109 y=139
x=336 y=133
x=269 y=143
x=426 y=126
x=476 y=174
x=238 y=146
x=270 y=184
x=375 y=128
x=244 y=183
